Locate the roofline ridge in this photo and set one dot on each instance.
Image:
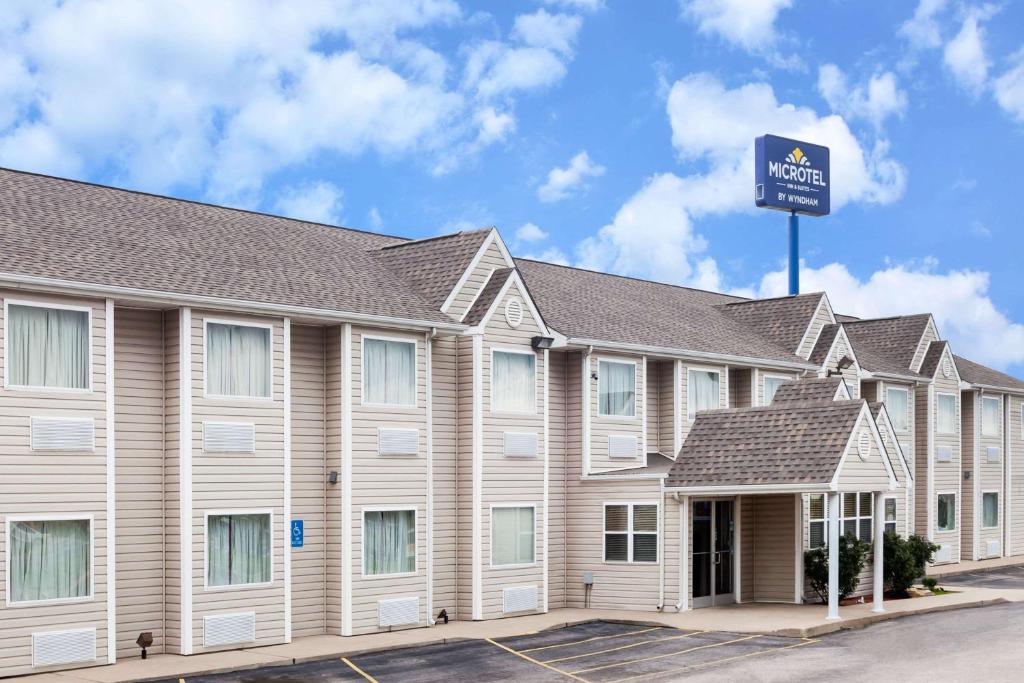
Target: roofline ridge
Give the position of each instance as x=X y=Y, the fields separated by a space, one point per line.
x=888 y=317
x=774 y=298
x=434 y=238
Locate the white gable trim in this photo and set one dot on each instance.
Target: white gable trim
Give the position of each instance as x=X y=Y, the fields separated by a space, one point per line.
x=865 y=417
x=924 y=352
x=514 y=279
x=492 y=238
x=842 y=391
x=853 y=354
x=904 y=465
x=831 y=316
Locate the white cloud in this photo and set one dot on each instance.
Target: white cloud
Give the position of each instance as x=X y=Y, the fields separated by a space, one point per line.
x=874 y=101
x=495 y=126
x=579 y=5
x=965 y=56
x=922 y=30
x=562 y=182
x=374 y=219
x=1009 y=87
x=556 y=32
x=550 y=255
x=319 y=202
x=749 y=24
x=530 y=232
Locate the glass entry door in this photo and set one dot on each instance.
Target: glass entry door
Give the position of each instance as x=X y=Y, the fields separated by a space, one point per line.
x=713 y=533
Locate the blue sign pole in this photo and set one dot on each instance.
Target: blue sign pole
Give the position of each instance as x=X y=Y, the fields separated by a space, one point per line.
x=794 y=253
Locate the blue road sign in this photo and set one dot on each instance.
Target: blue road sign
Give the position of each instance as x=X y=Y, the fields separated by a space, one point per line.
x=790 y=175
x=297 y=533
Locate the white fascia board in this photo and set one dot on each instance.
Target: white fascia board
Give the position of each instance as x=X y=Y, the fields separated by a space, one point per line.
x=831 y=316
x=822 y=487
x=873 y=374
x=492 y=238
x=930 y=324
x=514 y=278
x=683 y=354
x=611 y=475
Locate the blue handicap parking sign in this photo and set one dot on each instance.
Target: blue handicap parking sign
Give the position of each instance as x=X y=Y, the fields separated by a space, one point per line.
x=297 y=533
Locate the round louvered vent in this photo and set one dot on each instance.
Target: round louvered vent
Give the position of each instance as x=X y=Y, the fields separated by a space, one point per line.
x=947 y=368
x=514 y=312
x=864 y=445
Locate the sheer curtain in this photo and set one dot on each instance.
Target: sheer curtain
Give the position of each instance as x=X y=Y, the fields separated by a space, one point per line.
x=390 y=372
x=49 y=347
x=990 y=416
x=238 y=360
x=238 y=549
x=512 y=536
x=771 y=385
x=617 y=388
x=49 y=560
x=514 y=382
x=947 y=414
x=390 y=542
x=703 y=391
x=896 y=405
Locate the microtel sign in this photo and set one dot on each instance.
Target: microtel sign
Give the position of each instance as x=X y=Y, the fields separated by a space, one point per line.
x=791 y=175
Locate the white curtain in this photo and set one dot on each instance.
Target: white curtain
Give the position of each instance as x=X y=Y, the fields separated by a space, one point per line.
x=703 y=391
x=990 y=502
x=238 y=549
x=513 y=382
x=389 y=542
x=512 y=539
x=238 y=360
x=390 y=368
x=990 y=416
x=617 y=388
x=49 y=560
x=896 y=405
x=49 y=347
x=771 y=385
x=947 y=415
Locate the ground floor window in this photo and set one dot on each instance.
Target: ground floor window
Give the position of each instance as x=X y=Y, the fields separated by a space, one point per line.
x=49 y=559
x=854 y=517
x=890 y=515
x=389 y=542
x=512 y=535
x=238 y=549
x=945 y=518
x=631 y=532
x=990 y=510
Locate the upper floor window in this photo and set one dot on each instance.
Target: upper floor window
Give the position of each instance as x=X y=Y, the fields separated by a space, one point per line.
x=513 y=382
x=897 y=404
x=237 y=360
x=990 y=406
x=946 y=419
x=702 y=391
x=47 y=347
x=616 y=388
x=49 y=560
x=389 y=372
x=771 y=385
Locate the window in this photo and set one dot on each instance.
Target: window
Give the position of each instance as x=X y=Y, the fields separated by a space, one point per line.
x=389 y=542
x=389 y=372
x=237 y=360
x=771 y=385
x=990 y=409
x=890 y=515
x=990 y=510
x=616 y=388
x=702 y=391
x=49 y=559
x=897 y=404
x=47 y=347
x=946 y=517
x=855 y=517
x=238 y=549
x=513 y=382
x=631 y=532
x=946 y=421
x=512 y=536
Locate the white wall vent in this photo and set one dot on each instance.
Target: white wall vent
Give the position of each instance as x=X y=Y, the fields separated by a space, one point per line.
x=947 y=368
x=63 y=647
x=63 y=434
x=944 y=454
x=992 y=549
x=992 y=454
x=392 y=441
x=398 y=612
x=520 y=444
x=229 y=629
x=864 y=445
x=621 y=446
x=519 y=599
x=229 y=437
x=514 y=312
x=944 y=553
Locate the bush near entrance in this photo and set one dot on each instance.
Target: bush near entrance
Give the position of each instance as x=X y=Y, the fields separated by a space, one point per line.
x=853 y=555
x=904 y=561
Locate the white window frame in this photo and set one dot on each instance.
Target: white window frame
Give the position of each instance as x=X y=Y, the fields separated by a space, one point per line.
x=857 y=518
x=956 y=413
x=895 y=514
x=993 y=492
x=514 y=506
x=9 y=522
x=636 y=393
x=629 y=532
x=206 y=359
x=999 y=414
x=906 y=391
x=206 y=549
x=415 y=371
x=764 y=385
x=536 y=369
x=956 y=521
x=416 y=545
x=7 y=352
x=691 y=414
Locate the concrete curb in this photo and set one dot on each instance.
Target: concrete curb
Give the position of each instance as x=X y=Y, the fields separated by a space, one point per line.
x=865 y=621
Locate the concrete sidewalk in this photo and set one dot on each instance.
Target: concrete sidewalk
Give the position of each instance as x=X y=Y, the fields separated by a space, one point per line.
x=763 y=618
x=970 y=566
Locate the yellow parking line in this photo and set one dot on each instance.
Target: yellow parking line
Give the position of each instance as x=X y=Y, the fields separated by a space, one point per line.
x=537 y=662
x=590 y=640
x=624 y=647
x=717 y=661
x=670 y=654
x=359 y=671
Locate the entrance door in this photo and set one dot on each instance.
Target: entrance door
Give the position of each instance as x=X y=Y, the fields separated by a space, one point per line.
x=713 y=533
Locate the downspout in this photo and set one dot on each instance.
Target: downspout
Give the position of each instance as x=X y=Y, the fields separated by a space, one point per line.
x=429 y=419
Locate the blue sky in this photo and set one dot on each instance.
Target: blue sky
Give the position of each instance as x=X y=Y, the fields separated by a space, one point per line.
x=611 y=135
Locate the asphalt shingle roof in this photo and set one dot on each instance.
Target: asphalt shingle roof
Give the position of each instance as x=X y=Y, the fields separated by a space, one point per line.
x=887 y=344
x=783 y=320
x=806 y=391
x=931 y=358
x=976 y=373
x=433 y=266
x=487 y=295
x=824 y=344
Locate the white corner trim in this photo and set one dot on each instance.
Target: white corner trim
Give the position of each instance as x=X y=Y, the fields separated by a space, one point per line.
x=798 y=550
x=547 y=484
x=185 y=473
x=976 y=499
x=678 y=409
x=737 y=559
x=585 y=379
x=643 y=411
x=109 y=430
x=346 y=479
x=286 y=393
x=478 y=477
x=428 y=350
x=930 y=429
x=684 y=553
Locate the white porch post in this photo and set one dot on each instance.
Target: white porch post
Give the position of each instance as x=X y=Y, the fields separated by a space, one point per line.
x=879 y=535
x=834 y=503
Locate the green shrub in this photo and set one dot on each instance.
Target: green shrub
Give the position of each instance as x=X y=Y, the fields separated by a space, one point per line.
x=853 y=555
x=904 y=560
x=930 y=582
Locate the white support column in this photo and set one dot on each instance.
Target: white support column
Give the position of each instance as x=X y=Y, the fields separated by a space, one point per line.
x=1007 y=474
x=834 y=504
x=109 y=430
x=798 y=549
x=585 y=379
x=287 y=508
x=684 y=553
x=879 y=536
x=737 y=555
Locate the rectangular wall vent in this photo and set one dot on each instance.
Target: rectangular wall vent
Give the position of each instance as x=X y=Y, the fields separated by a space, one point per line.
x=944 y=553
x=520 y=444
x=992 y=549
x=519 y=599
x=63 y=647
x=398 y=612
x=620 y=446
x=229 y=437
x=63 y=434
x=391 y=441
x=992 y=454
x=229 y=629
x=944 y=454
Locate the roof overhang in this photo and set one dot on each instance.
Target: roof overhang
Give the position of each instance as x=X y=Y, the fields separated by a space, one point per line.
x=873 y=374
x=745 y=489
x=689 y=355
x=991 y=387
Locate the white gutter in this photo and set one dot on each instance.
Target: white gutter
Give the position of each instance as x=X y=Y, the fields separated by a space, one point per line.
x=992 y=387
x=749 y=488
x=691 y=355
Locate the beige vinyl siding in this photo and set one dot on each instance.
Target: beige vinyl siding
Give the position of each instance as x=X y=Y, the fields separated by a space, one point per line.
x=821 y=318
x=54 y=483
x=228 y=482
x=667 y=408
x=557 y=474
x=768 y=536
x=332 y=413
x=902 y=494
x=905 y=438
x=969 y=428
x=172 y=482
x=139 y=420
x=604 y=426
x=741 y=387
x=491 y=260
x=948 y=474
x=1016 y=484
x=990 y=478
x=464 y=476
x=309 y=477
x=870 y=474
x=869 y=391
x=921 y=398
x=652 y=396
x=445 y=413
